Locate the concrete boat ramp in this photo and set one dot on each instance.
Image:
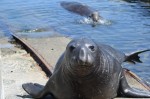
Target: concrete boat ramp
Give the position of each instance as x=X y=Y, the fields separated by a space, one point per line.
x=18 y=67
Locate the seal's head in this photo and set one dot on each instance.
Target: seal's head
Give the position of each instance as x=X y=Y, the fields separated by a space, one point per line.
x=95 y=16
x=81 y=56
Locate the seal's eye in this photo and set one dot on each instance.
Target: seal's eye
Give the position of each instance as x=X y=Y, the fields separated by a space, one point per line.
x=91 y=48
x=72 y=47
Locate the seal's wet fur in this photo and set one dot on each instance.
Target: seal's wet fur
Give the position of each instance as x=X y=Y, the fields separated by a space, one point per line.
x=88 y=70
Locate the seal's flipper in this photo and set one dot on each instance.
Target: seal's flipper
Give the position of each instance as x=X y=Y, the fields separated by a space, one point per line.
x=126 y=91
x=35 y=90
x=133 y=58
x=38 y=85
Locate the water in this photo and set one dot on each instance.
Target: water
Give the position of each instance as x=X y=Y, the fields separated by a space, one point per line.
x=129 y=29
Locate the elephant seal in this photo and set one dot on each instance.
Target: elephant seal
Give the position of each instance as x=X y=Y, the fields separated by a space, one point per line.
x=88 y=70
x=81 y=9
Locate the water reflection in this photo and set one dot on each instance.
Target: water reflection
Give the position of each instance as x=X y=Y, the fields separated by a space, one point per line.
x=143 y=6
x=135 y=1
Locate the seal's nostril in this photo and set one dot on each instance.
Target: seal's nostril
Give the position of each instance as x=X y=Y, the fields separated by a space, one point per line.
x=72 y=47
x=91 y=48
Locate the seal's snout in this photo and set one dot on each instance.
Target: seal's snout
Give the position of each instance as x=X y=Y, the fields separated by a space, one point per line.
x=95 y=19
x=85 y=55
x=82 y=52
x=95 y=16
x=82 y=55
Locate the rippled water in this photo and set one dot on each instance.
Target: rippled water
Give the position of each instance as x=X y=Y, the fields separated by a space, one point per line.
x=129 y=29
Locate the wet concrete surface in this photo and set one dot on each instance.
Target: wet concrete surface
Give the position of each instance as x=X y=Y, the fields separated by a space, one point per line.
x=50 y=48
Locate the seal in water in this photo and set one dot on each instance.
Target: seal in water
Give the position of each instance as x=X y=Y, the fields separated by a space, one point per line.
x=88 y=70
x=81 y=9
